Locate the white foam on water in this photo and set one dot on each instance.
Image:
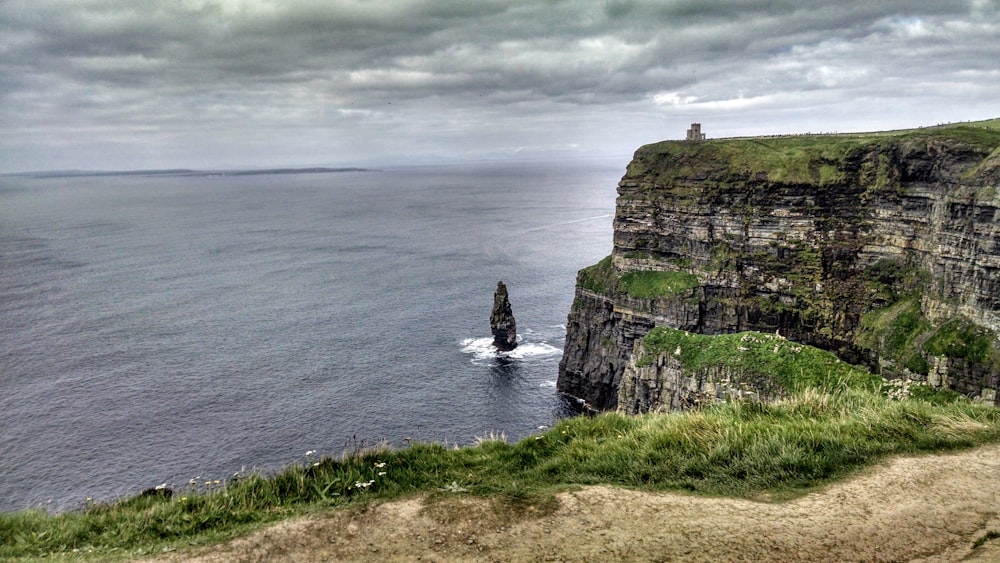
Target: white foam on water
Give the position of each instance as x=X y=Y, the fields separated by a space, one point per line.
x=548 y=384
x=482 y=349
x=532 y=350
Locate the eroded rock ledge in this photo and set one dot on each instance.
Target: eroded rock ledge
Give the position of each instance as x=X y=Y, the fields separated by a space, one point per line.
x=882 y=248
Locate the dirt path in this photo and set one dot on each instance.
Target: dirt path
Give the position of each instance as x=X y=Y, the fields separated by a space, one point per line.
x=929 y=508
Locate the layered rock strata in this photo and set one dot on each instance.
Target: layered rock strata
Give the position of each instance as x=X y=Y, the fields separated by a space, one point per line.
x=882 y=248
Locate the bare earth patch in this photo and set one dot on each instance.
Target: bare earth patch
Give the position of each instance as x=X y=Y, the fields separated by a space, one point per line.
x=931 y=508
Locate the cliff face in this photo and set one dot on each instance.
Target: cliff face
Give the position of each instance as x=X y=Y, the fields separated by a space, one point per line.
x=882 y=248
x=665 y=384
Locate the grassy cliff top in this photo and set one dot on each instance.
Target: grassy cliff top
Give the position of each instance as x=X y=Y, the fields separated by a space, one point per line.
x=795 y=367
x=804 y=158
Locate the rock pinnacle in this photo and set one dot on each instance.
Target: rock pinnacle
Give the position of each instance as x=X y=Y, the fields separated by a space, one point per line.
x=502 y=321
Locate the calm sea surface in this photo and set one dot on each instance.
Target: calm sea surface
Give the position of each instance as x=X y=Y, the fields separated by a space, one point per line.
x=157 y=329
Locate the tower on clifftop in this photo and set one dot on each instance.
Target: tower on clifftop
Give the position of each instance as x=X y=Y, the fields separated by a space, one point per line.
x=694 y=133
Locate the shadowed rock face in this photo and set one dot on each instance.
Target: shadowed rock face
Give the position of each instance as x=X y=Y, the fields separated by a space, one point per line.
x=812 y=236
x=502 y=321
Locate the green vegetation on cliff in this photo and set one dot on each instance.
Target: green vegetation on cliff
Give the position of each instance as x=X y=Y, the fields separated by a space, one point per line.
x=599 y=278
x=893 y=331
x=653 y=284
x=799 y=159
x=958 y=338
x=876 y=246
x=900 y=333
x=795 y=367
x=648 y=284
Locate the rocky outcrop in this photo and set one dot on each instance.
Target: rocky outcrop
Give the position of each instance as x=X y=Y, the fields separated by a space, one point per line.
x=884 y=249
x=655 y=382
x=602 y=339
x=502 y=321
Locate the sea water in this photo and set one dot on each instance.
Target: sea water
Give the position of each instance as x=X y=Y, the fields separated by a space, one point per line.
x=159 y=329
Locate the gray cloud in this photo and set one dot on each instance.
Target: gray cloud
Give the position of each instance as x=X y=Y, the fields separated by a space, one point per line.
x=129 y=83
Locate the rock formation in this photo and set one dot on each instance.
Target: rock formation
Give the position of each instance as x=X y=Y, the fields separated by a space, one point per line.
x=667 y=370
x=882 y=248
x=502 y=321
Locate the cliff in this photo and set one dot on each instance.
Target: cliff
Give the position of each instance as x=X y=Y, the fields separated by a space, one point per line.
x=675 y=370
x=882 y=248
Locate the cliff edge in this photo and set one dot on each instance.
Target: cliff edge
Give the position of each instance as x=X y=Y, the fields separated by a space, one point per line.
x=883 y=248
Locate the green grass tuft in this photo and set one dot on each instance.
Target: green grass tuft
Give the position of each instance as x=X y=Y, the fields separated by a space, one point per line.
x=902 y=333
x=792 y=366
x=602 y=278
x=653 y=284
x=793 y=159
x=985 y=135
x=895 y=327
x=961 y=339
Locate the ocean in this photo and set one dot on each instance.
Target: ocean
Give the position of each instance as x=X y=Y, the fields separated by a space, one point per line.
x=157 y=329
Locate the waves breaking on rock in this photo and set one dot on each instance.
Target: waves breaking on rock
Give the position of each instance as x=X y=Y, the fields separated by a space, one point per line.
x=483 y=351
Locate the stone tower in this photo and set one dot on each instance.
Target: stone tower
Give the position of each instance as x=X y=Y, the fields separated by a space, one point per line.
x=694 y=133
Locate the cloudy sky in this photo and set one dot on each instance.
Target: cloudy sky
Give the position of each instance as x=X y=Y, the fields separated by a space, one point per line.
x=130 y=84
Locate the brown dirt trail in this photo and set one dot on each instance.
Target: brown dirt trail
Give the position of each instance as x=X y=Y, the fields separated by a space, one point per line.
x=931 y=508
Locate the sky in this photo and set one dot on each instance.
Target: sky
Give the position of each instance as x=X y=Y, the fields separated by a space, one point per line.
x=210 y=84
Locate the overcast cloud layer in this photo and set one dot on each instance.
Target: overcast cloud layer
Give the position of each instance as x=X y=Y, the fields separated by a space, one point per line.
x=126 y=84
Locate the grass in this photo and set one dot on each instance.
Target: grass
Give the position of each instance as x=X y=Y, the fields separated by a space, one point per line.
x=652 y=284
x=894 y=327
x=793 y=366
x=985 y=134
x=806 y=159
x=902 y=333
x=793 y=159
x=602 y=278
x=959 y=338
x=836 y=420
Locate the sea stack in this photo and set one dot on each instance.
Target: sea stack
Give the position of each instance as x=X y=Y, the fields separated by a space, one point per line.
x=502 y=321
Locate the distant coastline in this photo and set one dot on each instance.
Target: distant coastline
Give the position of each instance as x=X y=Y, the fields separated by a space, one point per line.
x=182 y=172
